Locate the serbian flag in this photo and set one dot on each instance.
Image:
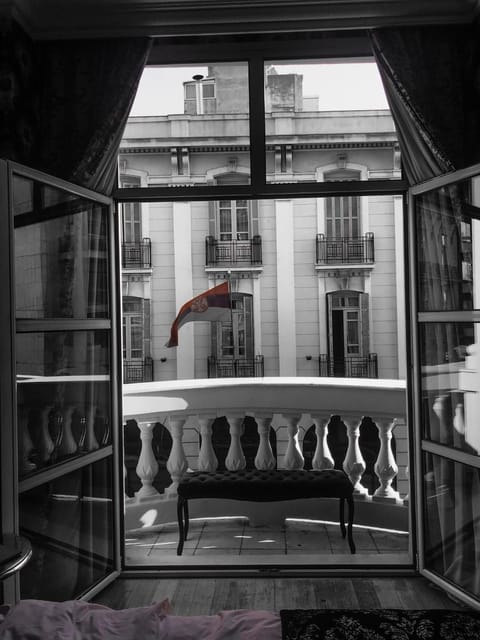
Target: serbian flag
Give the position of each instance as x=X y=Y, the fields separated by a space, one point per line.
x=209 y=306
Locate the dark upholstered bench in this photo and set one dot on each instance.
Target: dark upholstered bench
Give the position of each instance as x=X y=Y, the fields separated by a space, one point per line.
x=265 y=486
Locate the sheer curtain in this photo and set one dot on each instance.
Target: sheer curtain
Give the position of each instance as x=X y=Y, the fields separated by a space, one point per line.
x=431 y=77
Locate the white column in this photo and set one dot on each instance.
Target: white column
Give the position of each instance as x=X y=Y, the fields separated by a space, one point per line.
x=177 y=460
x=400 y=287
x=385 y=467
x=354 y=464
x=235 y=459
x=287 y=340
x=147 y=466
x=207 y=460
x=293 y=456
x=322 y=458
x=182 y=249
x=257 y=315
x=264 y=458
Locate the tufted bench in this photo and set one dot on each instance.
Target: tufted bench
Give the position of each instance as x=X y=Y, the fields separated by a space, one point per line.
x=265 y=486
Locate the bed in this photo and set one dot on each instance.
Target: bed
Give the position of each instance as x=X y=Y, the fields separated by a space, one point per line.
x=77 y=620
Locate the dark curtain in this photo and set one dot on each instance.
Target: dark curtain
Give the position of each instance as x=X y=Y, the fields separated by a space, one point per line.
x=84 y=92
x=431 y=76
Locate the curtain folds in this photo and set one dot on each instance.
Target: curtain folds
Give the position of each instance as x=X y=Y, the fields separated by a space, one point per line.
x=84 y=94
x=431 y=76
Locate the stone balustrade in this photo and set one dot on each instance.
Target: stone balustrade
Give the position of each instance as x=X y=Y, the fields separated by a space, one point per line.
x=289 y=406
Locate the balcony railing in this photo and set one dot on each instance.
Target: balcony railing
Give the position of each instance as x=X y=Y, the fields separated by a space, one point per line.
x=345 y=250
x=235 y=368
x=137 y=255
x=349 y=367
x=233 y=251
x=137 y=370
x=283 y=410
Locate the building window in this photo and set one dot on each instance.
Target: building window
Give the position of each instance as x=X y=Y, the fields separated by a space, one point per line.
x=233 y=220
x=132 y=222
x=342 y=217
x=133 y=329
x=235 y=341
x=348 y=334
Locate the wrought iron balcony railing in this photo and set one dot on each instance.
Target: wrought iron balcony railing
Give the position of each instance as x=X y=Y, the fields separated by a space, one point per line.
x=137 y=255
x=359 y=250
x=349 y=367
x=233 y=251
x=235 y=368
x=138 y=370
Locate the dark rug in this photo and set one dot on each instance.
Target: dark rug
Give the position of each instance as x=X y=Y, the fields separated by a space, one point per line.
x=379 y=624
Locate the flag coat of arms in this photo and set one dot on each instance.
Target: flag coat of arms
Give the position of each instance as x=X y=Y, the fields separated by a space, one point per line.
x=209 y=306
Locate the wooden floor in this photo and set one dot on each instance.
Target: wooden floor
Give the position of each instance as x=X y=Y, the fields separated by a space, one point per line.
x=204 y=596
x=209 y=539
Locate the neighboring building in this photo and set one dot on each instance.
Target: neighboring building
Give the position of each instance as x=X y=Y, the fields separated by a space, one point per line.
x=317 y=282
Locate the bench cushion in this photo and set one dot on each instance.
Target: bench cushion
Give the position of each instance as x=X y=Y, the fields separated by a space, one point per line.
x=266 y=486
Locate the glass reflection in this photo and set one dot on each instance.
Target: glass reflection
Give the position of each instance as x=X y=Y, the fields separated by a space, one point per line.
x=63 y=392
x=451 y=384
x=62 y=265
x=69 y=524
x=445 y=229
x=452 y=521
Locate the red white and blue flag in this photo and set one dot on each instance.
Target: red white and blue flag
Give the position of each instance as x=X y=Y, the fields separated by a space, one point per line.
x=209 y=306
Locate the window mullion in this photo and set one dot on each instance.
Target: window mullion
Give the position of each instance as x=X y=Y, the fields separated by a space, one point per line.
x=257 y=124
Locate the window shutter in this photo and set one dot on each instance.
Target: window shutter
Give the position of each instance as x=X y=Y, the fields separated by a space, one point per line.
x=254 y=226
x=212 y=225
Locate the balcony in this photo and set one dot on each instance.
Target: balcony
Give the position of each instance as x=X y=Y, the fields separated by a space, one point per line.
x=137 y=371
x=337 y=251
x=235 y=368
x=350 y=367
x=137 y=255
x=233 y=252
x=293 y=423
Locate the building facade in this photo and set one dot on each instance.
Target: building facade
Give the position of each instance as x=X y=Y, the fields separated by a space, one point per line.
x=316 y=282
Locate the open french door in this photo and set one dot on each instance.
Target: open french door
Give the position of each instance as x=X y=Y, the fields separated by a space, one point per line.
x=60 y=448
x=444 y=216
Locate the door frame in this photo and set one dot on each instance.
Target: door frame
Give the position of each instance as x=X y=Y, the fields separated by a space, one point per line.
x=414 y=396
x=8 y=394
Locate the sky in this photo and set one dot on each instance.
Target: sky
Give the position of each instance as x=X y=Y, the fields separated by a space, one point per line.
x=339 y=86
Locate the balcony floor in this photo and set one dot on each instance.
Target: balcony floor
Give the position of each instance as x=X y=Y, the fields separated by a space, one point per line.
x=233 y=540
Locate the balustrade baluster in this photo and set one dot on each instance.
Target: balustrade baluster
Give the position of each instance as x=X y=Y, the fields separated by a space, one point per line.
x=177 y=460
x=207 y=460
x=25 y=444
x=354 y=464
x=235 y=459
x=293 y=458
x=264 y=459
x=386 y=467
x=45 y=442
x=67 y=446
x=91 y=443
x=147 y=466
x=322 y=458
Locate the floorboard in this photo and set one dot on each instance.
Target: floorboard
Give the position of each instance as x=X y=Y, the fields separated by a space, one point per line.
x=203 y=596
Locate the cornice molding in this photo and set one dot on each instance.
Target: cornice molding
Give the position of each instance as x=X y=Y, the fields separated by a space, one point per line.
x=50 y=19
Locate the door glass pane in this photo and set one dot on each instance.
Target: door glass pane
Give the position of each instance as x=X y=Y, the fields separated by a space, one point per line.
x=312 y=107
x=180 y=115
x=450 y=384
x=61 y=264
x=63 y=396
x=446 y=235
x=69 y=524
x=452 y=521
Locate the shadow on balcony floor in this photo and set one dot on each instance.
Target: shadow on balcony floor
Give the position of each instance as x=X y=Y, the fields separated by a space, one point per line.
x=233 y=537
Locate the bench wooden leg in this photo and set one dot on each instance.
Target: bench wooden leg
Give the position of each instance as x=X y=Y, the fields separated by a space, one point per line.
x=181 y=526
x=351 y=510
